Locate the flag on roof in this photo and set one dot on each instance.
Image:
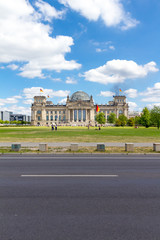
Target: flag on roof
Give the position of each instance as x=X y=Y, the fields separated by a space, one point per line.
x=41 y=90
x=120 y=90
x=48 y=96
x=97 y=108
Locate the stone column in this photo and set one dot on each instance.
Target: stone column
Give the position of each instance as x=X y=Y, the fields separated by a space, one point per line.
x=57 y=117
x=49 y=117
x=86 y=115
x=69 y=119
x=89 y=115
x=72 y=113
x=43 y=115
x=81 y=115
x=92 y=115
x=34 y=115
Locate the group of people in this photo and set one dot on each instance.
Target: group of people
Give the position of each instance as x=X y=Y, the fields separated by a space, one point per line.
x=53 y=127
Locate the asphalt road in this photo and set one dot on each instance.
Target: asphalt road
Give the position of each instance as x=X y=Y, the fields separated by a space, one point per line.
x=45 y=197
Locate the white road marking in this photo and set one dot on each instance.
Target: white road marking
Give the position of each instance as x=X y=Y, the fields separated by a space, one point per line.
x=69 y=175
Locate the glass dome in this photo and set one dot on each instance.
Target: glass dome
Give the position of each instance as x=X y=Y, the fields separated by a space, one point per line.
x=79 y=96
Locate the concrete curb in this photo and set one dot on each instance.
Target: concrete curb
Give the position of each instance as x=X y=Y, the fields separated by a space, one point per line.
x=75 y=153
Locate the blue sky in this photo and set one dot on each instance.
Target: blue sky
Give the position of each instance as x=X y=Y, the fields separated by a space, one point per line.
x=62 y=46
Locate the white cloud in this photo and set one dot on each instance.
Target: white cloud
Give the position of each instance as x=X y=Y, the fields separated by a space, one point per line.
x=10 y=100
x=17 y=109
x=26 y=39
x=132 y=106
x=60 y=93
x=19 y=97
x=35 y=91
x=13 y=66
x=48 y=12
x=117 y=71
x=71 y=81
x=63 y=101
x=103 y=46
x=110 y=11
x=99 y=50
x=131 y=93
x=111 y=47
x=150 y=106
x=152 y=94
x=28 y=101
x=56 y=79
x=107 y=94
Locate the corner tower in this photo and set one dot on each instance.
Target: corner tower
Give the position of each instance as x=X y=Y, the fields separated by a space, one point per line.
x=38 y=114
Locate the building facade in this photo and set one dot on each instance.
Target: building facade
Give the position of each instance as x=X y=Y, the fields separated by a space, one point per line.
x=78 y=110
x=20 y=117
x=5 y=115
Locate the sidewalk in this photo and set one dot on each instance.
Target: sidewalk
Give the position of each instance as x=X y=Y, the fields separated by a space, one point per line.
x=67 y=144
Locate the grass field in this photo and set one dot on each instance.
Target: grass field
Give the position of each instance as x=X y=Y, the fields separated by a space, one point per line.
x=79 y=134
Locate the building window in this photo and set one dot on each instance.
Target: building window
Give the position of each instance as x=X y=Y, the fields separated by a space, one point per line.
x=59 y=112
x=84 y=115
x=64 y=118
x=59 y=118
x=75 y=115
x=63 y=112
x=55 y=112
x=47 y=118
x=120 y=112
x=79 y=115
x=39 y=118
x=38 y=112
x=46 y=112
x=107 y=112
x=56 y=118
x=51 y=118
x=51 y=112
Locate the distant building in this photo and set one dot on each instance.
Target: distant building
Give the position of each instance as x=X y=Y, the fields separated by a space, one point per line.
x=78 y=110
x=5 y=115
x=20 y=117
x=134 y=114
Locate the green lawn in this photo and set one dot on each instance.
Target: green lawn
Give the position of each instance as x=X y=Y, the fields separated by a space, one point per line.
x=79 y=134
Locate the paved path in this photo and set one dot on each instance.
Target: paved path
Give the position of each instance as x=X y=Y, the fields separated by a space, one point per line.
x=81 y=144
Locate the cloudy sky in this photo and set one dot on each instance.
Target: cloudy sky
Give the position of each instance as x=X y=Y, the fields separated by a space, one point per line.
x=62 y=46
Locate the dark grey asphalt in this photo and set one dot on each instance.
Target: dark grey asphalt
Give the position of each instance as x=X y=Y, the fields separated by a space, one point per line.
x=80 y=208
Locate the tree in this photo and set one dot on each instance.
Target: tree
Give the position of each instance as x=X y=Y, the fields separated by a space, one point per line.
x=112 y=118
x=155 y=116
x=131 y=122
x=100 y=118
x=137 y=120
x=118 y=123
x=123 y=119
x=145 y=117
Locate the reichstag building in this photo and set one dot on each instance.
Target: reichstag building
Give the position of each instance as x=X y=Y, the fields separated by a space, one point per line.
x=79 y=110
